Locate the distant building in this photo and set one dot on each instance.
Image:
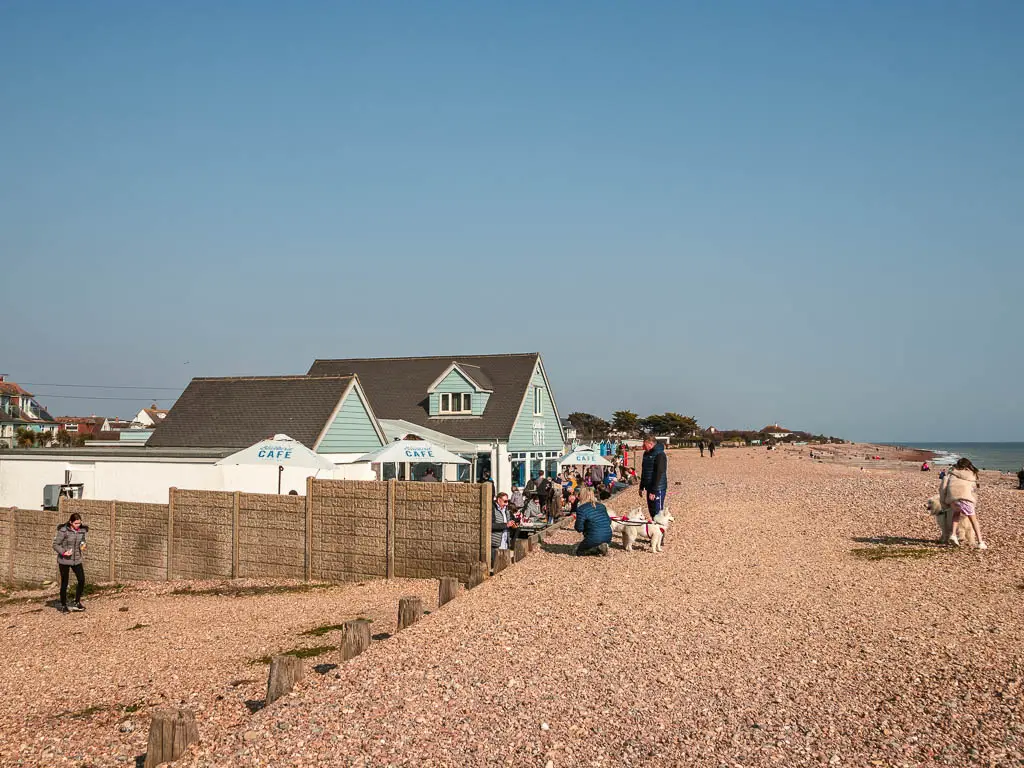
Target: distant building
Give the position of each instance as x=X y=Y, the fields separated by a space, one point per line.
x=114 y=425
x=80 y=426
x=19 y=410
x=774 y=430
x=147 y=418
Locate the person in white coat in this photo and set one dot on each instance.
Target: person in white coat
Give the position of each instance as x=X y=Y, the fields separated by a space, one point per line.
x=959 y=492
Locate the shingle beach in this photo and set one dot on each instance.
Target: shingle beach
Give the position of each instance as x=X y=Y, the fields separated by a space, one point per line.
x=801 y=614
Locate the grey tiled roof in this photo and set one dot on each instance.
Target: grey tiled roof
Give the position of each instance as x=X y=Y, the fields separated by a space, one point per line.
x=237 y=412
x=480 y=378
x=397 y=389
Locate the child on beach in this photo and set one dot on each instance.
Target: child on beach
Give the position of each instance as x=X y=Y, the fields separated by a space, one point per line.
x=959 y=492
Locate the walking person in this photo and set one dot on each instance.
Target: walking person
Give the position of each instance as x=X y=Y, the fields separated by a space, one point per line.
x=69 y=544
x=654 y=476
x=711 y=448
x=700 y=445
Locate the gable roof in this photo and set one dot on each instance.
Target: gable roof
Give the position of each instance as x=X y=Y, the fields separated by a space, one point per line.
x=10 y=388
x=471 y=373
x=397 y=388
x=236 y=412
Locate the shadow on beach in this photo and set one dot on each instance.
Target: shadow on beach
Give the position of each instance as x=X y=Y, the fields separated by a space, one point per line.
x=558 y=549
x=895 y=541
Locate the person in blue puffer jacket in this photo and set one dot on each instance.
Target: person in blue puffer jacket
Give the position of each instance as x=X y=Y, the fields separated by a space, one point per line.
x=593 y=522
x=654 y=476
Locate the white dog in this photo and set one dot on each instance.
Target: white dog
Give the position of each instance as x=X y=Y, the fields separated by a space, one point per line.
x=637 y=527
x=962 y=529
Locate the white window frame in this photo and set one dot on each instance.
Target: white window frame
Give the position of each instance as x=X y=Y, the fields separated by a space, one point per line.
x=464 y=399
x=70 y=427
x=538 y=401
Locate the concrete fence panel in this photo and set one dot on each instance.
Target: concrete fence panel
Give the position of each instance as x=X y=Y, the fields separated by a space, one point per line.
x=34 y=560
x=140 y=541
x=201 y=534
x=349 y=530
x=271 y=536
x=437 y=529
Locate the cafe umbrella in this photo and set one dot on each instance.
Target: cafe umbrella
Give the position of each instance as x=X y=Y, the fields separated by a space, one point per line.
x=587 y=457
x=412 y=452
x=280 y=451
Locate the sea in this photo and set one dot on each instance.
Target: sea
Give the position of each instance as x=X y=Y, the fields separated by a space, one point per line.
x=1006 y=457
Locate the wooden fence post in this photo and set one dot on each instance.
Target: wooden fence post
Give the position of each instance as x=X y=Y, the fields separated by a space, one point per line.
x=392 y=492
x=355 y=638
x=285 y=672
x=410 y=610
x=171 y=731
x=309 y=529
x=534 y=542
x=477 y=575
x=521 y=549
x=234 y=537
x=503 y=560
x=447 y=589
x=170 y=533
x=486 y=504
x=111 y=576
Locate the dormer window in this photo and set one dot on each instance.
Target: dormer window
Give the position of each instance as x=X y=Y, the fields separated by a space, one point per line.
x=456 y=403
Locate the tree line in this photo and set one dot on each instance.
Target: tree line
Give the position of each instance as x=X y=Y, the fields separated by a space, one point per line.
x=629 y=424
x=591 y=427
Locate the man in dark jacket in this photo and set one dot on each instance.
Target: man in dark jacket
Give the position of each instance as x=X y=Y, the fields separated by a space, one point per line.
x=654 y=476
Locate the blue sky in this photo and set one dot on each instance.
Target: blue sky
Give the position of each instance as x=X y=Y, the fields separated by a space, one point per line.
x=804 y=212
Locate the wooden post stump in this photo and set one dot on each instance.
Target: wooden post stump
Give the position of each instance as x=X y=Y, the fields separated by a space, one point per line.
x=503 y=560
x=410 y=610
x=170 y=733
x=355 y=638
x=477 y=575
x=522 y=549
x=285 y=672
x=447 y=589
x=534 y=542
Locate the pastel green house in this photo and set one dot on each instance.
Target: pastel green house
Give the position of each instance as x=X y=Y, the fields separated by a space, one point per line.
x=499 y=411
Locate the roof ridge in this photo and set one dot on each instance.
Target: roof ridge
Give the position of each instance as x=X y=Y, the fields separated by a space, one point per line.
x=453 y=358
x=289 y=377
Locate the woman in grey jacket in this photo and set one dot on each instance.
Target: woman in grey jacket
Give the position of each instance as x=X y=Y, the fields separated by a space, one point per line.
x=69 y=544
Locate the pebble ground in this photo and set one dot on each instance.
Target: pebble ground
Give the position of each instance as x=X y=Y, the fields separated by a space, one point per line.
x=801 y=614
